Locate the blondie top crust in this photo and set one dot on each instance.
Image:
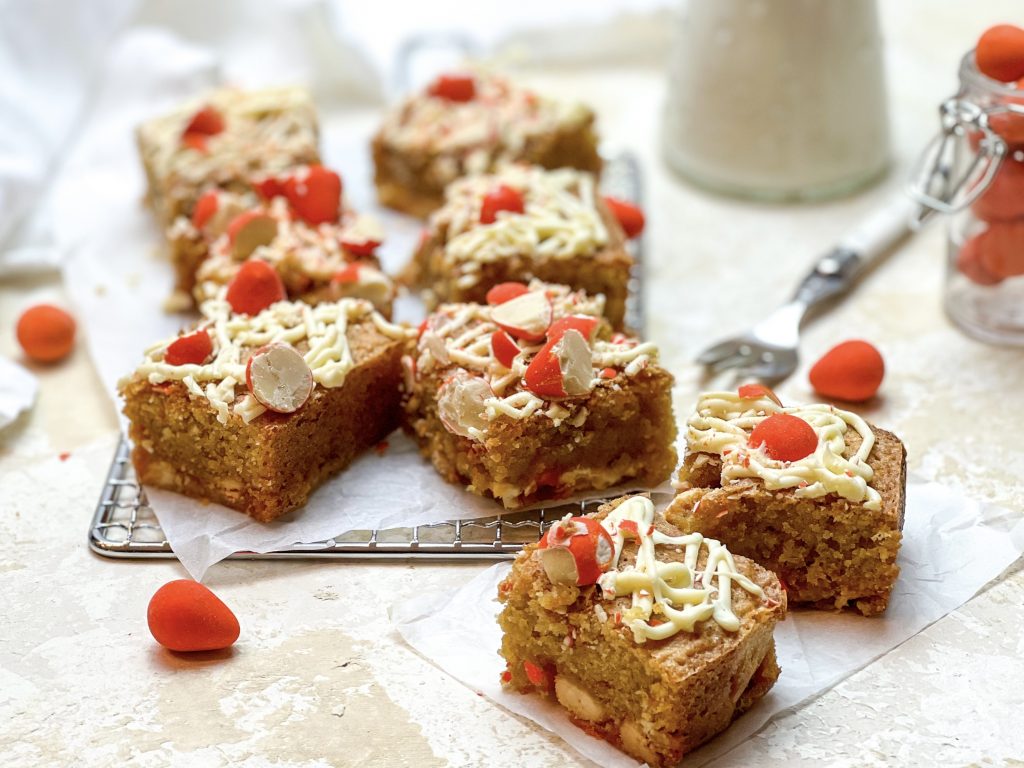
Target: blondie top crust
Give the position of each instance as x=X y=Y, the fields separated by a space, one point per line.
x=525 y=407
x=558 y=230
x=828 y=523
x=222 y=139
x=461 y=337
x=316 y=262
x=434 y=137
x=659 y=648
x=320 y=333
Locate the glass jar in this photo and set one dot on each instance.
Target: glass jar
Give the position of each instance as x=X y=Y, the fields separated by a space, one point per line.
x=984 y=286
x=777 y=99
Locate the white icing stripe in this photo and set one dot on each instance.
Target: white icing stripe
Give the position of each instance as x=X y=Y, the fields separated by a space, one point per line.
x=320 y=329
x=674 y=592
x=560 y=219
x=722 y=423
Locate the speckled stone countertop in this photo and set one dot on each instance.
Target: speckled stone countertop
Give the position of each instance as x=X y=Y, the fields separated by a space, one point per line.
x=319 y=678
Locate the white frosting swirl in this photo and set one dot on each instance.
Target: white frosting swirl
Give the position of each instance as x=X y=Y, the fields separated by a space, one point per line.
x=722 y=423
x=674 y=592
x=560 y=219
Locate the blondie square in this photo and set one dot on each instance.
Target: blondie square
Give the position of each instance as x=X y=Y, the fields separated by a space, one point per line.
x=828 y=522
x=469 y=123
x=533 y=398
x=217 y=416
x=650 y=638
x=222 y=140
x=519 y=223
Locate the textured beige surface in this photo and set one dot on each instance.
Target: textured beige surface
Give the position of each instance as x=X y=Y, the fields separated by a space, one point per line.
x=318 y=678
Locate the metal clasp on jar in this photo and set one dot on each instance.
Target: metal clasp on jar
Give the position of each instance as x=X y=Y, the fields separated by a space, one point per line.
x=948 y=178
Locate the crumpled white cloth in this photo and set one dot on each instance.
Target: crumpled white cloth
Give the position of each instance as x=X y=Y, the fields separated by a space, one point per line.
x=18 y=390
x=952 y=547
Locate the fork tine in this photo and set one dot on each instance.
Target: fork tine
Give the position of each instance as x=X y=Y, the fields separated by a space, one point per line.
x=737 y=360
x=770 y=373
x=717 y=352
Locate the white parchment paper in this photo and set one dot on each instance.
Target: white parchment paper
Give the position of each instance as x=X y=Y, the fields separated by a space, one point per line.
x=391 y=489
x=952 y=547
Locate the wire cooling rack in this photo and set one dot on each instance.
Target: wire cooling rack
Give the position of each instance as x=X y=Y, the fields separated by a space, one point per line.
x=124 y=525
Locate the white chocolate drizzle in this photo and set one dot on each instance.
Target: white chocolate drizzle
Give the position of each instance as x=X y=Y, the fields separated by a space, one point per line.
x=675 y=593
x=722 y=423
x=560 y=219
x=319 y=332
x=459 y=335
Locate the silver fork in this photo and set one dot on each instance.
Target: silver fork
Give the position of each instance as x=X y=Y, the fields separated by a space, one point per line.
x=769 y=351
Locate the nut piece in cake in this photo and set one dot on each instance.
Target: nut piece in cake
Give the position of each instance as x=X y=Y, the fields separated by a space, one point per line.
x=813 y=492
x=222 y=140
x=535 y=398
x=256 y=410
x=522 y=222
x=298 y=223
x=665 y=642
x=468 y=123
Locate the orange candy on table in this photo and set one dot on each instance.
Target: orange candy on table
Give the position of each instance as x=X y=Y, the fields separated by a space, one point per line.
x=784 y=437
x=256 y=286
x=851 y=371
x=1000 y=53
x=184 y=615
x=46 y=333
